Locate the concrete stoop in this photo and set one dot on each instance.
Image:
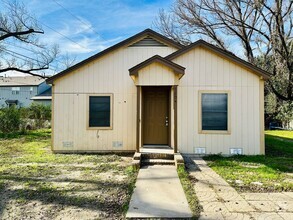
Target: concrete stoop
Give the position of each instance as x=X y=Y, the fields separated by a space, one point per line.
x=157 y=162
x=145 y=158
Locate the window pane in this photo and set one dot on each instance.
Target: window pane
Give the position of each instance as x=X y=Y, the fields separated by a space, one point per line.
x=214 y=111
x=99 y=111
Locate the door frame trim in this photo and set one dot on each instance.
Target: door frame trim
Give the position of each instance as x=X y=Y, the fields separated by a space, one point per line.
x=138 y=94
x=169 y=112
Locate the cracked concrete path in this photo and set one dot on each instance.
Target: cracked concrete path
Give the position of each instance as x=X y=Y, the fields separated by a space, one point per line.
x=158 y=194
x=220 y=201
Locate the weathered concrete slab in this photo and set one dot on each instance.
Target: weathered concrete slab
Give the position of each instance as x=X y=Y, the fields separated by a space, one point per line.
x=158 y=194
x=290 y=194
x=211 y=215
x=264 y=206
x=137 y=156
x=220 y=201
x=266 y=216
x=238 y=206
x=256 y=196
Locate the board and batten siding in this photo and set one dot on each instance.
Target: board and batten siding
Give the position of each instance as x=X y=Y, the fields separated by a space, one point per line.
x=107 y=74
x=156 y=74
x=207 y=71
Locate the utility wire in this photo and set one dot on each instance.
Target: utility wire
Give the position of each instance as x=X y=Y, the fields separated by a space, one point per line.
x=19 y=57
x=13 y=52
x=24 y=48
x=62 y=35
x=80 y=20
x=73 y=41
x=20 y=47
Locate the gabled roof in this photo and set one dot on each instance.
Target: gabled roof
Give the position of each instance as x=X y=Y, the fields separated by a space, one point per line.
x=174 y=66
x=47 y=92
x=147 y=32
x=21 y=81
x=223 y=53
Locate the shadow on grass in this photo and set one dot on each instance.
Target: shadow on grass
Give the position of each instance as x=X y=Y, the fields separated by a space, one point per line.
x=279 y=146
x=111 y=197
x=27 y=134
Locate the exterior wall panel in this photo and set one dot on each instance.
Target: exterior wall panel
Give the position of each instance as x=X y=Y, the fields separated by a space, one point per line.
x=108 y=74
x=208 y=71
x=156 y=75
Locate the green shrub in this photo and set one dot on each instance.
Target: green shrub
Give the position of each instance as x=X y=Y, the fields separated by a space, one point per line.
x=14 y=119
x=10 y=119
x=40 y=113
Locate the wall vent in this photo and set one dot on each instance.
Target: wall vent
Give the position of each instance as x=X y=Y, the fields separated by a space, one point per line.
x=148 y=42
x=117 y=144
x=235 y=151
x=67 y=144
x=200 y=150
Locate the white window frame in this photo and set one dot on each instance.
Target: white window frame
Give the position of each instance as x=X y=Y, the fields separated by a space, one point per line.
x=15 y=90
x=228 y=92
x=88 y=112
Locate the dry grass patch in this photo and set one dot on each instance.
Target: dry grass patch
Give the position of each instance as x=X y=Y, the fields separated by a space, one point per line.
x=37 y=184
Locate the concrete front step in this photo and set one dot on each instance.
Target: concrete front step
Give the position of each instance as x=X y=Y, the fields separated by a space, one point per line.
x=163 y=156
x=157 y=162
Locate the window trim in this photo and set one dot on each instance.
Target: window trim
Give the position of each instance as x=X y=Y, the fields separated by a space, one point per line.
x=200 y=92
x=88 y=111
x=15 y=90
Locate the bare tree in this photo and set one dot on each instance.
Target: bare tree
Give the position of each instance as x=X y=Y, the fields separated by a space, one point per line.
x=67 y=61
x=19 y=29
x=262 y=27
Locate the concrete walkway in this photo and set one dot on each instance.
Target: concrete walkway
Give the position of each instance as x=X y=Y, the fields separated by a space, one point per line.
x=220 y=201
x=158 y=194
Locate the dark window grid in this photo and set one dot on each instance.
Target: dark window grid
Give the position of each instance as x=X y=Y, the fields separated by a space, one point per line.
x=214 y=111
x=99 y=111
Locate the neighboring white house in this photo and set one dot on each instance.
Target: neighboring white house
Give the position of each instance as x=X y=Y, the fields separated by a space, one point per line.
x=150 y=90
x=21 y=90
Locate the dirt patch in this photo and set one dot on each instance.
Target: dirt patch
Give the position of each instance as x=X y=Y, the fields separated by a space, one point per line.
x=66 y=191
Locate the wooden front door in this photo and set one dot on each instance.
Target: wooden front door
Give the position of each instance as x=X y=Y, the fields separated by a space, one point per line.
x=155 y=115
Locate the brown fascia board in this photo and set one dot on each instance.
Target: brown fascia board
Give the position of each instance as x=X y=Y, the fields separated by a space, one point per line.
x=221 y=52
x=147 y=32
x=174 y=66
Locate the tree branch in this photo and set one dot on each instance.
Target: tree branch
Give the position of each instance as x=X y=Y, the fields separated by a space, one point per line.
x=28 y=71
x=17 y=34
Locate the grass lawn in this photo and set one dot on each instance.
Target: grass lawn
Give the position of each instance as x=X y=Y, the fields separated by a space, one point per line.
x=37 y=184
x=270 y=173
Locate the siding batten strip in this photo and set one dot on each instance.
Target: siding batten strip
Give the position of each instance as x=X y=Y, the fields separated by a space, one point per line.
x=261 y=116
x=175 y=120
x=52 y=118
x=137 y=118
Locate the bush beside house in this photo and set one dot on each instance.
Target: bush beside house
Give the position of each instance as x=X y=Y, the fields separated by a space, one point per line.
x=13 y=119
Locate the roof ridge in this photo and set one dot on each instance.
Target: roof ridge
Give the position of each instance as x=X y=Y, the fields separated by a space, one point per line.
x=134 y=70
x=116 y=46
x=226 y=53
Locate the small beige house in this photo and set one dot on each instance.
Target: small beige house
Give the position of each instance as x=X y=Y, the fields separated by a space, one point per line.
x=151 y=91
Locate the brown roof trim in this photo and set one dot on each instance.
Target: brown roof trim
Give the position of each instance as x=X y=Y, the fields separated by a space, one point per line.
x=146 y=32
x=221 y=52
x=174 y=66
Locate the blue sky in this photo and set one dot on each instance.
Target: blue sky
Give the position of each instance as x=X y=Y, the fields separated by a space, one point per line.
x=93 y=25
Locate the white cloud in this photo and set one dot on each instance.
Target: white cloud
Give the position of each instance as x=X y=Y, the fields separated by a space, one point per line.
x=85 y=29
